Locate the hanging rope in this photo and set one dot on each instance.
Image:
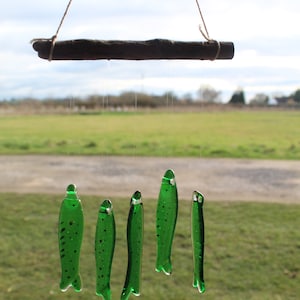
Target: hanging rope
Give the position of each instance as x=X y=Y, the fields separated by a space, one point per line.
x=205 y=33
x=53 y=39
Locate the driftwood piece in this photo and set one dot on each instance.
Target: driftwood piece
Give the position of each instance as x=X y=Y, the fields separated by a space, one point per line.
x=83 y=49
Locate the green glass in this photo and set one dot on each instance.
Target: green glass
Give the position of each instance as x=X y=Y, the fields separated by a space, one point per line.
x=166 y=217
x=104 y=248
x=135 y=228
x=70 y=233
x=198 y=240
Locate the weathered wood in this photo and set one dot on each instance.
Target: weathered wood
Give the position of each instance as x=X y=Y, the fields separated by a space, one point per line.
x=83 y=49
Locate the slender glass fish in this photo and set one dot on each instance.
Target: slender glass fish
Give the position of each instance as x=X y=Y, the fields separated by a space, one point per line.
x=135 y=228
x=198 y=240
x=104 y=248
x=70 y=233
x=166 y=217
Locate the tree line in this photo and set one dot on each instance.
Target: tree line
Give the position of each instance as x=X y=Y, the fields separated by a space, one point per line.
x=206 y=95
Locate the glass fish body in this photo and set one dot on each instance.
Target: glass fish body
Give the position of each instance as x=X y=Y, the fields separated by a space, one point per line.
x=70 y=233
x=135 y=227
x=166 y=217
x=104 y=248
x=198 y=240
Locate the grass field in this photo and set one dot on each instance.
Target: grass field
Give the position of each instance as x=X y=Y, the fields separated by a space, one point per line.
x=252 y=251
x=238 y=134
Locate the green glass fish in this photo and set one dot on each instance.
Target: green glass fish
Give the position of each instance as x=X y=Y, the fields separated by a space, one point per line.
x=166 y=217
x=198 y=240
x=135 y=228
x=70 y=233
x=104 y=248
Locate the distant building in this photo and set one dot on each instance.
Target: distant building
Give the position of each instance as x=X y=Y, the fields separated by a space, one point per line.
x=285 y=100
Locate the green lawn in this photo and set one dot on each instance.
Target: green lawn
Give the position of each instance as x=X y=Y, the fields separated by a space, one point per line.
x=239 y=134
x=252 y=251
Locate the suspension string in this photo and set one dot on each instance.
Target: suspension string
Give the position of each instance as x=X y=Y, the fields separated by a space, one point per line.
x=205 y=33
x=53 y=39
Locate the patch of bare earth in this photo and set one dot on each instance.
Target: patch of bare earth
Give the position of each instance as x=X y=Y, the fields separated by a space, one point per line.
x=106 y=176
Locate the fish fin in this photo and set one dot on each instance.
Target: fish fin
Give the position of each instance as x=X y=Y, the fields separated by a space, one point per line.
x=200 y=285
x=77 y=283
x=105 y=293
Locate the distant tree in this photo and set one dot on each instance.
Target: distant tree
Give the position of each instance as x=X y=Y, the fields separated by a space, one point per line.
x=208 y=94
x=260 y=99
x=296 y=96
x=238 y=97
x=187 y=98
x=169 y=98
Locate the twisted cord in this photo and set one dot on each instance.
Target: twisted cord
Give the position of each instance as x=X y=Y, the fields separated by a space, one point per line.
x=205 y=33
x=53 y=39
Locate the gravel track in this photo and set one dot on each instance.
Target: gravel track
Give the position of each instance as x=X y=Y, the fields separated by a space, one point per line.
x=107 y=176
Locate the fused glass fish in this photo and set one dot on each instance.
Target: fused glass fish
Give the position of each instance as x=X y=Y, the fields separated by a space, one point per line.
x=70 y=233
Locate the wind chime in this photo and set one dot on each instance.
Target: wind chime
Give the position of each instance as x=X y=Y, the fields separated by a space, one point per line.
x=71 y=220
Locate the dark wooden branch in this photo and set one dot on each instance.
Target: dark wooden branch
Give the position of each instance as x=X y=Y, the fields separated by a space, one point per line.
x=83 y=49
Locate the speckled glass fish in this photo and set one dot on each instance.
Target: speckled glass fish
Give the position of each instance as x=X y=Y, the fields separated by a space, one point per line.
x=166 y=217
x=135 y=228
x=104 y=248
x=198 y=240
x=70 y=238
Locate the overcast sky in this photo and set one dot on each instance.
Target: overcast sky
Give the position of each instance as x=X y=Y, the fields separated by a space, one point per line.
x=266 y=35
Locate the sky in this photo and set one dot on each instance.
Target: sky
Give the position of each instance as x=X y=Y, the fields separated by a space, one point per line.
x=265 y=33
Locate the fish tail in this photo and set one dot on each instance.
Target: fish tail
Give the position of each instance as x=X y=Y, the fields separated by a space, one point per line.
x=136 y=292
x=165 y=266
x=105 y=293
x=64 y=286
x=200 y=285
x=77 y=283
x=126 y=293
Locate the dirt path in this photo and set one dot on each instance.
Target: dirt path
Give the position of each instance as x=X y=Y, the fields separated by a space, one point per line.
x=217 y=179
